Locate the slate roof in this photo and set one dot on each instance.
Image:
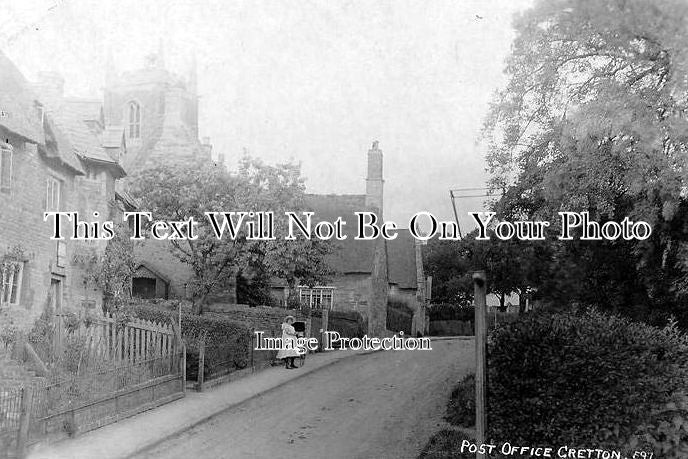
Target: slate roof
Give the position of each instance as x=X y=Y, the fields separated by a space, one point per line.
x=58 y=147
x=72 y=118
x=18 y=104
x=151 y=272
x=401 y=260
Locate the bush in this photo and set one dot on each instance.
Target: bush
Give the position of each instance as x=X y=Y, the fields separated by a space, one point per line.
x=399 y=316
x=461 y=407
x=349 y=324
x=446 y=444
x=445 y=311
x=588 y=379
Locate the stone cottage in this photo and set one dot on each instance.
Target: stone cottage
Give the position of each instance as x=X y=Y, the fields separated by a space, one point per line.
x=50 y=160
x=367 y=272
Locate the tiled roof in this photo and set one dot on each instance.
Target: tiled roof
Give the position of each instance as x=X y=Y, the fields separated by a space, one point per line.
x=126 y=197
x=401 y=260
x=87 y=109
x=71 y=118
x=17 y=104
x=58 y=147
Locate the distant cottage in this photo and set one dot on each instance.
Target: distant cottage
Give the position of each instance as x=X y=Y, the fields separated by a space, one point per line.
x=368 y=272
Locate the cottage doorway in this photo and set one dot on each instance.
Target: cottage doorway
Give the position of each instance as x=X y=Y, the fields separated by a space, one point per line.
x=143 y=287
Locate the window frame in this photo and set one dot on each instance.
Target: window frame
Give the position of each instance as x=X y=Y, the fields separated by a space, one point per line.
x=136 y=121
x=61 y=254
x=50 y=193
x=14 y=281
x=314 y=297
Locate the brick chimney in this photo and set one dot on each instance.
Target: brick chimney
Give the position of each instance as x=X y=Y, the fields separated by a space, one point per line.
x=374 y=180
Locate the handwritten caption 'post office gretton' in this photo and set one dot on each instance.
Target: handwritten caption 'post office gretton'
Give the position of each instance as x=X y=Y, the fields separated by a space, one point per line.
x=261 y=226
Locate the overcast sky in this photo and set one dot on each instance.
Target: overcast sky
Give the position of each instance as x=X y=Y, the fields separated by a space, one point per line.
x=316 y=81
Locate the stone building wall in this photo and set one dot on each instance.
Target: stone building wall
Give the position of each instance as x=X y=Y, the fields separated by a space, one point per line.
x=22 y=225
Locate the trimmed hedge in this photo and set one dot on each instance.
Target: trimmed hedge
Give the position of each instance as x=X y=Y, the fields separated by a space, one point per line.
x=447 y=311
x=228 y=343
x=589 y=379
x=349 y=324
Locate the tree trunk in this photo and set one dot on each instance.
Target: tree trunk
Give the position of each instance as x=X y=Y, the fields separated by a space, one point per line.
x=198 y=305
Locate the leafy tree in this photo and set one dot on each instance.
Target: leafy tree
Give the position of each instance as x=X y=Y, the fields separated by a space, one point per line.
x=512 y=266
x=593 y=119
x=116 y=268
x=446 y=262
x=181 y=191
x=177 y=192
x=279 y=189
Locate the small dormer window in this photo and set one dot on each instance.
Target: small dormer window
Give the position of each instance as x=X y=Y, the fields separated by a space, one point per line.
x=134 y=120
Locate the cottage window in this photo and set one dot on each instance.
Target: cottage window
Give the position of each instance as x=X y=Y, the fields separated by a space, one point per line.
x=53 y=190
x=12 y=272
x=317 y=297
x=134 y=120
x=5 y=166
x=61 y=258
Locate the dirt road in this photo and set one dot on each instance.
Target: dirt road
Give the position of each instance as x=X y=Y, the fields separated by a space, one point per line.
x=379 y=405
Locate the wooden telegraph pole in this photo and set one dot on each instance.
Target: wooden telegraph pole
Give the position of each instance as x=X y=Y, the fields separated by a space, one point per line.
x=480 y=289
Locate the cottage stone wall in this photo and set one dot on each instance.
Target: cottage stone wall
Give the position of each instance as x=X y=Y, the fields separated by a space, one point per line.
x=22 y=225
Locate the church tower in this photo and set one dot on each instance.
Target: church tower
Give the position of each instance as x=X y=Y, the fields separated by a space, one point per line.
x=158 y=111
x=374 y=180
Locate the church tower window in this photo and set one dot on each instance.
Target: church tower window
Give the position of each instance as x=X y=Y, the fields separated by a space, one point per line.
x=134 y=120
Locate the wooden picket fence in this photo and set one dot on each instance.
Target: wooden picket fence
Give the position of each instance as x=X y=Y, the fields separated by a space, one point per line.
x=132 y=341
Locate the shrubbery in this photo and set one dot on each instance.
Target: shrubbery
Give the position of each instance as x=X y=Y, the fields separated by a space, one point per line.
x=349 y=324
x=399 y=316
x=461 y=407
x=589 y=379
x=227 y=342
x=445 y=311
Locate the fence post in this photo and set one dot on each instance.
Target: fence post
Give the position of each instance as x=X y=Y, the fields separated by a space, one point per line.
x=323 y=337
x=24 y=419
x=308 y=328
x=201 y=363
x=183 y=358
x=479 y=281
x=253 y=347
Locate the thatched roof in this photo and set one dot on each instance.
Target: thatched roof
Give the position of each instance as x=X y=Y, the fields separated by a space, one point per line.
x=401 y=259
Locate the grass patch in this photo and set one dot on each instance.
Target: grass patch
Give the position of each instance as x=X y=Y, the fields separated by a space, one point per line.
x=446 y=444
x=461 y=407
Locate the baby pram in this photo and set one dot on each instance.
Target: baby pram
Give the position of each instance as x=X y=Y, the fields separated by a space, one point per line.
x=300 y=329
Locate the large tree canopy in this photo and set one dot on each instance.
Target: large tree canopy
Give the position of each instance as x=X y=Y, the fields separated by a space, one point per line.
x=593 y=118
x=176 y=192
